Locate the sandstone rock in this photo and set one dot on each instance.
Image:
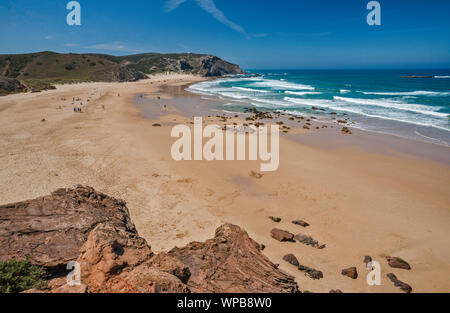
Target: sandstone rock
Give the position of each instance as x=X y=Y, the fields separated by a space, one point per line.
x=71 y=289
x=232 y=262
x=398 y=283
x=80 y=224
x=52 y=229
x=397 y=262
x=290 y=258
x=281 y=235
x=350 y=272
x=300 y=223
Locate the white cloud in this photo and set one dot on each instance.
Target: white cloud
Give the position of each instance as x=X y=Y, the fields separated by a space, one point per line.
x=48 y=37
x=210 y=7
x=115 y=46
x=71 y=45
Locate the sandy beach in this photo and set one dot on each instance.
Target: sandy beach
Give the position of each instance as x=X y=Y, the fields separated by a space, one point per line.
x=362 y=194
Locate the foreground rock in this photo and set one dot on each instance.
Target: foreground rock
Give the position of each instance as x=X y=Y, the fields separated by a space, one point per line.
x=80 y=224
x=398 y=283
x=231 y=262
x=397 y=262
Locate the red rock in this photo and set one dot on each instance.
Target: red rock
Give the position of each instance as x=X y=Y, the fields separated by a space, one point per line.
x=281 y=235
x=86 y=226
x=290 y=258
x=231 y=262
x=350 y=272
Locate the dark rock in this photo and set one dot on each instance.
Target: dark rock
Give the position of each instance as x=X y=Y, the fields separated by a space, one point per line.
x=10 y=86
x=309 y=241
x=301 y=223
x=398 y=283
x=397 y=262
x=335 y=291
x=350 y=272
x=310 y=272
x=275 y=219
x=281 y=235
x=290 y=258
x=346 y=131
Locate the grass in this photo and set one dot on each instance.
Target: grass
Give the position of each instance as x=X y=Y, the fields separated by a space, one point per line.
x=20 y=275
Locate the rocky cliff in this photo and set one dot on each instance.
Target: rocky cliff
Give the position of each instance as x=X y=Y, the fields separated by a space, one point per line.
x=83 y=225
x=10 y=85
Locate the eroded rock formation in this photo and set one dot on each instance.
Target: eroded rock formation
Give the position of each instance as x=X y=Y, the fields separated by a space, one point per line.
x=80 y=224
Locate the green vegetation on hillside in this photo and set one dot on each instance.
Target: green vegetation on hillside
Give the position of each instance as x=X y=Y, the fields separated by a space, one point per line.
x=20 y=275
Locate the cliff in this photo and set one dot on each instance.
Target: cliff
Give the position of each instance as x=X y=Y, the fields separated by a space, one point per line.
x=83 y=225
x=36 y=69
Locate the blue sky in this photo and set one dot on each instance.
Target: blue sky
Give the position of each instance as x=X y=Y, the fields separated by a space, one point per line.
x=255 y=34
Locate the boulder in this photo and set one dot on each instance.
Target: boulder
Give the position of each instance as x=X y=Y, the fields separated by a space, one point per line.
x=398 y=283
x=309 y=241
x=231 y=262
x=350 y=272
x=311 y=272
x=300 y=223
x=397 y=262
x=281 y=235
x=290 y=258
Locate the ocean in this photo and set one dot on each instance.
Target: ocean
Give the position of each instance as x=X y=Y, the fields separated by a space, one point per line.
x=386 y=101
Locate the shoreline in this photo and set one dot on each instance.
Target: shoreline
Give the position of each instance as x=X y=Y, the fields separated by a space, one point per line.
x=357 y=202
x=326 y=138
x=365 y=121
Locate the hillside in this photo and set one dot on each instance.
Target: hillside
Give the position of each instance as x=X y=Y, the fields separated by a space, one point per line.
x=50 y=67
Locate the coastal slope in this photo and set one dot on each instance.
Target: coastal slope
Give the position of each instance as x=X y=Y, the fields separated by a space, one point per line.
x=36 y=71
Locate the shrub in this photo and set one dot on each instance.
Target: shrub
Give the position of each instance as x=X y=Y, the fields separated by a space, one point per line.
x=20 y=275
x=70 y=67
x=93 y=64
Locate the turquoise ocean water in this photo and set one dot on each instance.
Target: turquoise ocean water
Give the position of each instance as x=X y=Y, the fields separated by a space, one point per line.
x=374 y=100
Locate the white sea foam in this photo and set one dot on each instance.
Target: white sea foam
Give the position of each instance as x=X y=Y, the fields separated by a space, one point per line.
x=441 y=76
x=344 y=91
x=278 y=84
x=408 y=93
x=250 y=89
x=302 y=93
x=395 y=104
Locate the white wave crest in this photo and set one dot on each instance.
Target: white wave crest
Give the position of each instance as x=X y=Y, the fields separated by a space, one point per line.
x=302 y=93
x=278 y=84
x=394 y=104
x=250 y=89
x=408 y=93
